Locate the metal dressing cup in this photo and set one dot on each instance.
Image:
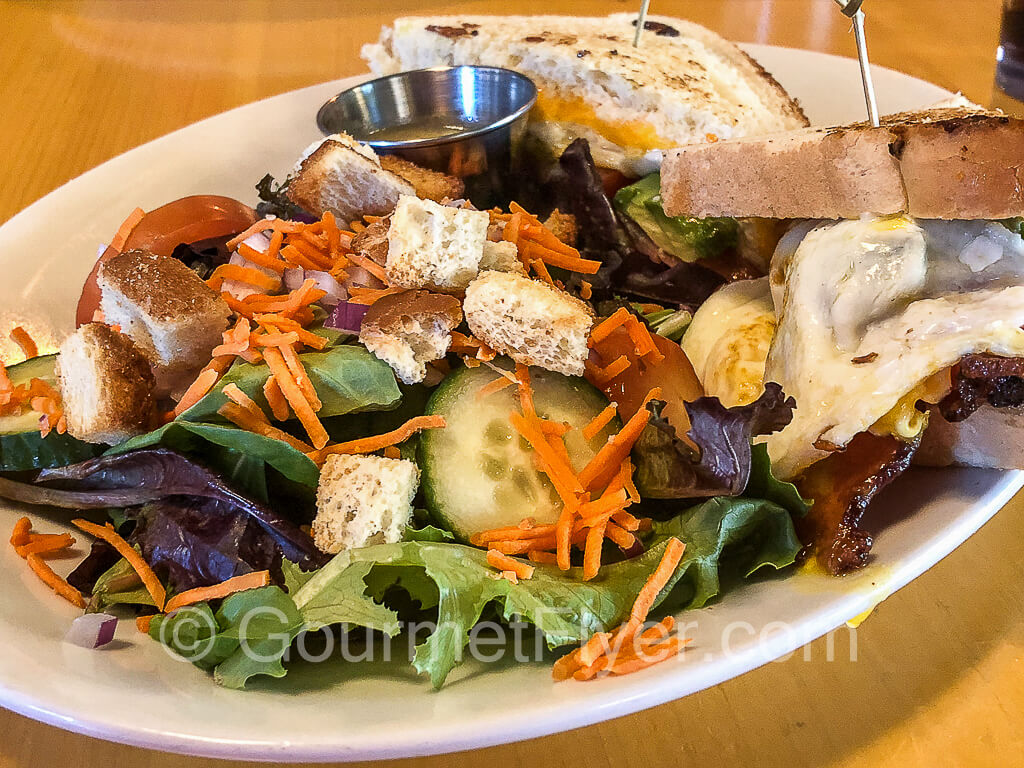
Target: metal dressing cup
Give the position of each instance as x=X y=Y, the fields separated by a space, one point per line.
x=465 y=121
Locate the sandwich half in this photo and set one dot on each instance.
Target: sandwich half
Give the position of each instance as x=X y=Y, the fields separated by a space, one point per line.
x=684 y=84
x=893 y=307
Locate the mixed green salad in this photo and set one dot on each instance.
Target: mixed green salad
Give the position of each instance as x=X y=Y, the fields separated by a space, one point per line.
x=212 y=493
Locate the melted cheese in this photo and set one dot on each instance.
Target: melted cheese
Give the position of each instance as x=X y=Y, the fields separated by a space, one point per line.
x=869 y=310
x=632 y=134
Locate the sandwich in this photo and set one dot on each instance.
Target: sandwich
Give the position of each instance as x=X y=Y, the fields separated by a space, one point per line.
x=684 y=85
x=893 y=305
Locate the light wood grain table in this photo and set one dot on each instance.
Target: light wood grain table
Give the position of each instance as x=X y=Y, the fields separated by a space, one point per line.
x=938 y=677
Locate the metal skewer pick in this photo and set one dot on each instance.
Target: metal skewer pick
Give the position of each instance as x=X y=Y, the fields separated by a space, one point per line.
x=640 y=22
x=852 y=8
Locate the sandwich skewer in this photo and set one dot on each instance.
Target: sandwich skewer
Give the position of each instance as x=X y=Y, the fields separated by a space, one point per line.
x=641 y=20
x=852 y=8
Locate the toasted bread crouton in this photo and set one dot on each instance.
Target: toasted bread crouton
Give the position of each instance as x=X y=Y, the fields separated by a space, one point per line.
x=336 y=177
x=434 y=246
x=363 y=500
x=432 y=185
x=530 y=321
x=106 y=385
x=562 y=226
x=168 y=311
x=372 y=241
x=407 y=330
x=501 y=256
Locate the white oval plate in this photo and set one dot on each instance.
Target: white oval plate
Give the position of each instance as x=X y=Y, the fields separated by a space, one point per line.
x=137 y=694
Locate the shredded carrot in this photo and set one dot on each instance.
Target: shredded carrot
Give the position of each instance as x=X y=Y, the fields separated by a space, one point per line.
x=657 y=580
x=616 y=450
x=303 y=296
x=626 y=521
x=28 y=346
x=491 y=387
x=604 y=329
x=263 y=225
x=510 y=576
x=20 y=534
x=586 y=290
x=505 y=563
x=370 y=266
x=592 y=551
x=276 y=400
x=643 y=343
x=599 y=422
x=379 y=442
x=542 y=271
x=601 y=376
x=392 y=452
x=248 y=275
x=307 y=338
x=293 y=394
x=125 y=230
x=129 y=553
x=301 y=377
x=511 y=533
x=224 y=589
x=538 y=556
x=277 y=339
x=197 y=390
x=619 y=535
x=243 y=418
x=142 y=623
x=263 y=259
x=46 y=545
x=534 y=240
x=55 y=582
x=359 y=294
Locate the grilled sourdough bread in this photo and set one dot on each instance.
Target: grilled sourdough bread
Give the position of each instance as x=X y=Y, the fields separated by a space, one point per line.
x=685 y=84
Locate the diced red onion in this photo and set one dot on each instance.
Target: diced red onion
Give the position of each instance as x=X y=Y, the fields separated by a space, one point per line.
x=258 y=241
x=635 y=550
x=92 y=630
x=346 y=317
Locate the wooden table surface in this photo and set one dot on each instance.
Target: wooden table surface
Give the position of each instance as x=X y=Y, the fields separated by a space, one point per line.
x=937 y=678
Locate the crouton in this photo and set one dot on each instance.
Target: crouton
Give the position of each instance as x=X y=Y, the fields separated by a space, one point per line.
x=530 y=321
x=363 y=500
x=501 y=256
x=434 y=246
x=432 y=185
x=407 y=330
x=372 y=242
x=106 y=385
x=168 y=311
x=562 y=226
x=345 y=181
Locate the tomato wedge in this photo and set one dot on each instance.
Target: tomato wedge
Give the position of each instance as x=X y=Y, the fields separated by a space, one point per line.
x=188 y=220
x=675 y=375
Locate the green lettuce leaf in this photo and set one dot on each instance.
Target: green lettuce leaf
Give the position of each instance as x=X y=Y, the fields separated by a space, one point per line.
x=764 y=485
x=725 y=538
x=22 y=451
x=248 y=636
x=558 y=603
x=347 y=379
x=202 y=440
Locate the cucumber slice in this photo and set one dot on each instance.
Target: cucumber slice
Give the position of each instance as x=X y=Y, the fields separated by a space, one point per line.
x=22 y=446
x=478 y=473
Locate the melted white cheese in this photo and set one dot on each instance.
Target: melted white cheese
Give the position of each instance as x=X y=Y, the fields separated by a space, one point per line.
x=868 y=309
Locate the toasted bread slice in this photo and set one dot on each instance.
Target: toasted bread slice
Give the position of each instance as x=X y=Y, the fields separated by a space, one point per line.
x=683 y=84
x=348 y=183
x=106 y=385
x=530 y=321
x=168 y=311
x=951 y=163
x=432 y=185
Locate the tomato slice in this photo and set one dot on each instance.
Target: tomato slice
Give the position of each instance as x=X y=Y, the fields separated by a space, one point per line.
x=675 y=375
x=187 y=220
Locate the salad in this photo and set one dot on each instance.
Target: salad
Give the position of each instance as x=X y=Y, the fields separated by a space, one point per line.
x=428 y=410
